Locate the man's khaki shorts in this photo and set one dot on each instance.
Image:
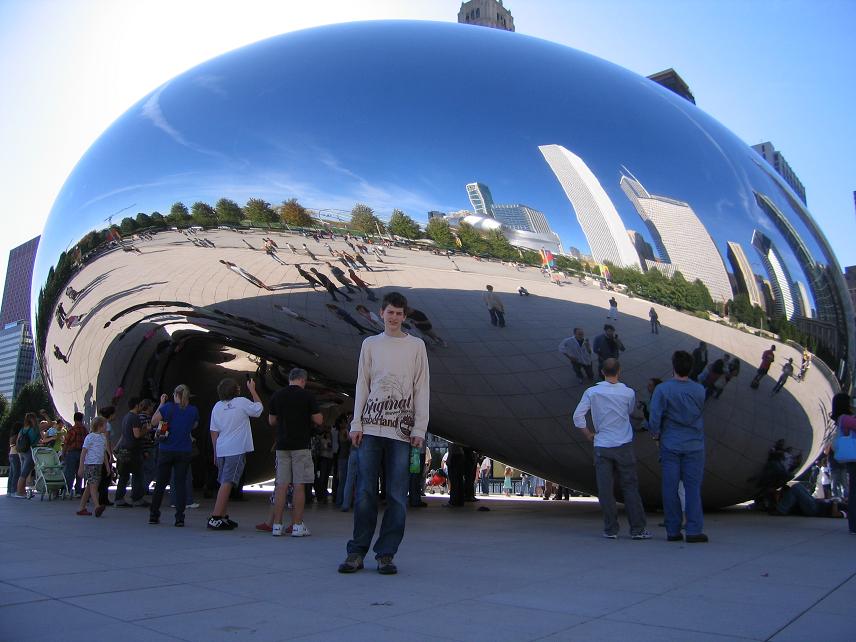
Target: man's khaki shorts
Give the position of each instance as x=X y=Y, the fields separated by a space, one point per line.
x=294 y=467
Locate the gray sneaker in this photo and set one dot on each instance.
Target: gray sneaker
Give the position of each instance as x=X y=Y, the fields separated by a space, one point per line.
x=352 y=563
x=643 y=535
x=610 y=535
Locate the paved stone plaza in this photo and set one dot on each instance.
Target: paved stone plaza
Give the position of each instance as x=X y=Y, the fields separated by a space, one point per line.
x=526 y=570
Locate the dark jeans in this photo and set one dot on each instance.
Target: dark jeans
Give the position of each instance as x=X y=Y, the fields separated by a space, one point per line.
x=457 y=491
x=797 y=497
x=396 y=456
x=470 y=464
x=322 y=476
x=15 y=472
x=655 y=326
x=621 y=461
x=579 y=368
x=497 y=317
x=687 y=467
x=70 y=465
x=170 y=461
x=130 y=466
x=104 y=484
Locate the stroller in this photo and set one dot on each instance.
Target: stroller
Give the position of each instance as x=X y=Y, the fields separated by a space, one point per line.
x=49 y=477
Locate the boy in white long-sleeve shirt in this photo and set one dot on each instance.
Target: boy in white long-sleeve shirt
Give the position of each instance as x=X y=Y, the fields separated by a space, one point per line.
x=390 y=416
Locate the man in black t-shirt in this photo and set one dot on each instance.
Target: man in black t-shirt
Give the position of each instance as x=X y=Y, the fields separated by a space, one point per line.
x=129 y=457
x=294 y=413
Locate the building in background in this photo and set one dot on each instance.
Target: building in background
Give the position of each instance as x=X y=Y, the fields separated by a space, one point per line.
x=670 y=79
x=780 y=279
x=778 y=162
x=17 y=353
x=850 y=280
x=17 y=358
x=805 y=308
x=680 y=237
x=481 y=199
x=19 y=279
x=743 y=276
x=601 y=224
x=522 y=217
x=486 y=13
x=766 y=290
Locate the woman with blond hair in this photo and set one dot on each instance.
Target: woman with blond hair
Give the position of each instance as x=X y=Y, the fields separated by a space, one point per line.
x=176 y=421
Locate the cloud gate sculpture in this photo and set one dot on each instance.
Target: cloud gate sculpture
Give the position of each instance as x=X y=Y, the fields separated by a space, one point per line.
x=166 y=259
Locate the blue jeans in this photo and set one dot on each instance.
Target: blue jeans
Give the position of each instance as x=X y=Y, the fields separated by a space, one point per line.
x=485 y=482
x=351 y=479
x=687 y=467
x=170 y=461
x=497 y=317
x=851 y=485
x=396 y=456
x=342 y=471
x=70 y=464
x=14 y=473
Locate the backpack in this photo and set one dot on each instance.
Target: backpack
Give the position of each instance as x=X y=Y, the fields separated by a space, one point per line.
x=22 y=443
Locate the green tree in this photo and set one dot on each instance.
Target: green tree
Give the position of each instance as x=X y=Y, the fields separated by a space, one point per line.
x=143 y=220
x=438 y=230
x=158 y=219
x=203 y=214
x=471 y=241
x=363 y=220
x=128 y=225
x=178 y=215
x=228 y=211
x=499 y=247
x=31 y=398
x=402 y=225
x=259 y=211
x=293 y=213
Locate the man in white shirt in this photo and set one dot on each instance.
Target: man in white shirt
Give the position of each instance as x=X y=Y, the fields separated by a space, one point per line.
x=484 y=475
x=232 y=438
x=577 y=349
x=390 y=416
x=611 y=403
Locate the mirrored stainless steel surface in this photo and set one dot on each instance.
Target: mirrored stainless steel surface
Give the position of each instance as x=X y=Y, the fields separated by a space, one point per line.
x=567 y=153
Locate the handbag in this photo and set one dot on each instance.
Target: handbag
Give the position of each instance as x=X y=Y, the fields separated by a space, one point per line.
x=845 y=445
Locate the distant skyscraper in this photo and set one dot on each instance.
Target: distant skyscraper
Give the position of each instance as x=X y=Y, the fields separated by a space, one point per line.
x=481 y=199
x=850 y=279
x=522 y=217
x=486 y=13
x=17 y=356
x=670 y=79
x=19 y=279
x=681 y=238
x=780 y=278
x=774 y=158
x=602 y=226
x=743 y=274
x=575 y=252
x=643 y=248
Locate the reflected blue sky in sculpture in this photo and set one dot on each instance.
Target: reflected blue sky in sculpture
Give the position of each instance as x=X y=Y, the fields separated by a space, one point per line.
x=336 y=125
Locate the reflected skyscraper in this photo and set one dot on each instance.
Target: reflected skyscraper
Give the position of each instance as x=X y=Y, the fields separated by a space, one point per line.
x=680 y=237
x=743 y=274
x=778 y=162
x=643 y=248
x=780 y=278
x=601 y=224
x=802 y=299
x=481 y=199
x=522 y=217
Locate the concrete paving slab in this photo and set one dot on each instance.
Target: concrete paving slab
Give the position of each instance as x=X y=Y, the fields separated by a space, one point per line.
x=525 y=570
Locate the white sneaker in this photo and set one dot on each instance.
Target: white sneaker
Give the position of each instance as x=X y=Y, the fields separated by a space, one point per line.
x=277 y=530
x=300 y=530
x=193 y=505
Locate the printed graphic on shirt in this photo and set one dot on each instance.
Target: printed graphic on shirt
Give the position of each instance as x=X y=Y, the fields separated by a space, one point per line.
x=389 y=407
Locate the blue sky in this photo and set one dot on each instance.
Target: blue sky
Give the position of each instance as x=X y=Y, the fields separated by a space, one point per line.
x=778 y=71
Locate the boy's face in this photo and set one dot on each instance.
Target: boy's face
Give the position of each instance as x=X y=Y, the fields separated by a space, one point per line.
x=392 y=317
